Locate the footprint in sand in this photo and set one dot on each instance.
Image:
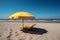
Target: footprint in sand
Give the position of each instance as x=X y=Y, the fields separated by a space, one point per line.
x=17 y=34
x=0 y=35
x=20 y=39
x=9 y=39
x=10 y=34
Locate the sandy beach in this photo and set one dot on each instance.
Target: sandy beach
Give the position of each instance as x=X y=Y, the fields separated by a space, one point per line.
x=42 y=31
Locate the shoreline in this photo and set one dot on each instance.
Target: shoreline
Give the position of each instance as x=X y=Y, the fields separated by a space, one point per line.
x=36 y=21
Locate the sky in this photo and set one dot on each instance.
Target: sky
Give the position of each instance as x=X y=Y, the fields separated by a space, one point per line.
x=41 y=9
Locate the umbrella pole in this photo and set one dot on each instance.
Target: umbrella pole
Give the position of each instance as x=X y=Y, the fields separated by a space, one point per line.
x=22 y=22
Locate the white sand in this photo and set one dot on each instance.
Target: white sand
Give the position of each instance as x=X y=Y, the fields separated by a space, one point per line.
x=11 y=31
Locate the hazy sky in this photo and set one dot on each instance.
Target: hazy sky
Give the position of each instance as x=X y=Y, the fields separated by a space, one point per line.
x=43 y=9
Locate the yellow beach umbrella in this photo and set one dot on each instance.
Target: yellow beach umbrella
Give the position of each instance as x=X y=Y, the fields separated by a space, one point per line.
x=23 y=16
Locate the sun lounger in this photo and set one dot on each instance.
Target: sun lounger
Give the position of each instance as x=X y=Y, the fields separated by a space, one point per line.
x=27 y=27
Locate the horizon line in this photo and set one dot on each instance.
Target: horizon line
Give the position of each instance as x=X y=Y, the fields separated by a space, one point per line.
x=34 y=19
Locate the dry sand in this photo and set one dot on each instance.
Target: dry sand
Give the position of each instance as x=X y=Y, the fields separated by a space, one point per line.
x=42 y=31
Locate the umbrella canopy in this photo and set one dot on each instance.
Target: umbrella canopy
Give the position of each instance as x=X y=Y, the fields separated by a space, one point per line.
x=22 y=15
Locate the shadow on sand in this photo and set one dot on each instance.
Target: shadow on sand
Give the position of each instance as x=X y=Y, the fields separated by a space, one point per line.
x=35 y=31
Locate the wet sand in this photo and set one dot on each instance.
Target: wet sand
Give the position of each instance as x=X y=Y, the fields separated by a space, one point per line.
x=42 y=31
